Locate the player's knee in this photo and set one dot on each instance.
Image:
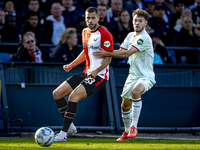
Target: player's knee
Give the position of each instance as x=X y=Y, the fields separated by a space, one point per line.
x=136 y=94
x=56 y=95
x=72 y=97
x=125 y=107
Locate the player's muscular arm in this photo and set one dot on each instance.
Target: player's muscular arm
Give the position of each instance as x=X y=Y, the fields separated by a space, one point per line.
x=106 y=61
x=121 y=53
x=77 y=61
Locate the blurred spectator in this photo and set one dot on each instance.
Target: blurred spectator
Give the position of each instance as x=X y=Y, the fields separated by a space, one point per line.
x=55 y=24
x=81 y=25
x=2 y=17
x=45 y=6
x=132 y=5
x=20 y=8
x=157 y=22
x=159 y=49
x=196 y=11
x=9 y=32
x=29 y=52
x=123 y=26
x=32 y=24
x=178 y=6
x=196 y=38
x=113 y=12
x=67 y=49
x=70 y=13
x=168 y=16
x=105 y=2
x=170 y=5
x=186 y=12
x=9 y=8
x=184 y=38
x=148 y=29
x=150 y=6
x=82 y=5
x=102 y=10
x=192 y=5
x=34 y=5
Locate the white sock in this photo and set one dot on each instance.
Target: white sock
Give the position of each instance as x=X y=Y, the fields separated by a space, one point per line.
x=126 y=117
x=136 y=109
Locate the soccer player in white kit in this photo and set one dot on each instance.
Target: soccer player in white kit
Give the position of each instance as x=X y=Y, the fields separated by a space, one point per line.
x=138 y=47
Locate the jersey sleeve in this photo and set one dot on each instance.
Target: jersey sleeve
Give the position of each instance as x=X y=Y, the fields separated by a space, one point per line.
x=141 y=43
x=107 y=41
x=125 y=44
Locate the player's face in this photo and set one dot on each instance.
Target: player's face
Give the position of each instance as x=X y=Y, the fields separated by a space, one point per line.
x=139 y=23
x=92 y=20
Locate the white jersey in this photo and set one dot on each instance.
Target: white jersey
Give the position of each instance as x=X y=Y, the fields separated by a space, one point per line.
x=141 y=62
x=91 y=43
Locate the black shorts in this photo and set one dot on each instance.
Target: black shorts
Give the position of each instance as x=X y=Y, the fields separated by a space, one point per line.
x=91 y=85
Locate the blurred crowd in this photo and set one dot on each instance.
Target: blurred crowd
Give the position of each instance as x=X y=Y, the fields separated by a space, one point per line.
x=31 y=23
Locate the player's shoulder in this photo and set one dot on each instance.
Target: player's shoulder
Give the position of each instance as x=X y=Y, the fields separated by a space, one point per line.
x=145 y=36
x=104 y=31
x=86 y=30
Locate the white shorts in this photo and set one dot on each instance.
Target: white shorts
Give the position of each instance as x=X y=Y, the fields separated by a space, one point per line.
x=130 y=83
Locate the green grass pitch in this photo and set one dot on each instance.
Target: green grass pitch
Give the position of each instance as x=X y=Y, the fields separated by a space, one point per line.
x=102 y=144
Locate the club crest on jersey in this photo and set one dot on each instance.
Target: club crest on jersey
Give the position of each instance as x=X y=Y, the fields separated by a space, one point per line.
x=106 y=43
x=95 y=39
x=140 y=42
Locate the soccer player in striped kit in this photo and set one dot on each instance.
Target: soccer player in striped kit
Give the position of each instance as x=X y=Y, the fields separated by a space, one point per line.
x=138 y=47
x=94 y=76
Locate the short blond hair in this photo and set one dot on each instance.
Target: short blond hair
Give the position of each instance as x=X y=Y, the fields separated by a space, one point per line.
x=67 y=34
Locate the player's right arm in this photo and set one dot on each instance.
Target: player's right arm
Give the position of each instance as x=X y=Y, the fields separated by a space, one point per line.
x=74 y=63
x=121 y=53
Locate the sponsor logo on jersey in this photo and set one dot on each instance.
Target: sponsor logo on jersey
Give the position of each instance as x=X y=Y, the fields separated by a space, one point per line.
x=91 y=47
x=140 y=42
x=106 y=43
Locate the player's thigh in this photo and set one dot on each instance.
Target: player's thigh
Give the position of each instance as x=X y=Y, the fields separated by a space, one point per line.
x=137 y=90
x=78 y=94
x=62 y=90
x=126 y=104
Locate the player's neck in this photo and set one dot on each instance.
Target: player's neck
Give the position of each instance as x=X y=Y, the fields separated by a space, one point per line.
x=94 y=29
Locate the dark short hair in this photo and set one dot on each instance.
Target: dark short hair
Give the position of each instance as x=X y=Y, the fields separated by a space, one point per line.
x=176 y=2
x=31 y=13
x=91 y=10
x=33 y=0
x=103 y=5
x=141 y=13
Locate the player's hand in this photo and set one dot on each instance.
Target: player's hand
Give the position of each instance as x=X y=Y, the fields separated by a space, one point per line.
x=100 y=54
x=67 y=68
x=92 y=74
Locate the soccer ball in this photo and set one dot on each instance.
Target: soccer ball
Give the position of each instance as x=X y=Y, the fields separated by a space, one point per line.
x=44 y=136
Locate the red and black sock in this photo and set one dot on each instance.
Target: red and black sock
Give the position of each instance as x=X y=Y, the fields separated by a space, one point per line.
x=62 y=106
x=69 y=116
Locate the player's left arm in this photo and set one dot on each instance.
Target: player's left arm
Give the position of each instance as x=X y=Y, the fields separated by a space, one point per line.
x=107 y=44
x=106 y=61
